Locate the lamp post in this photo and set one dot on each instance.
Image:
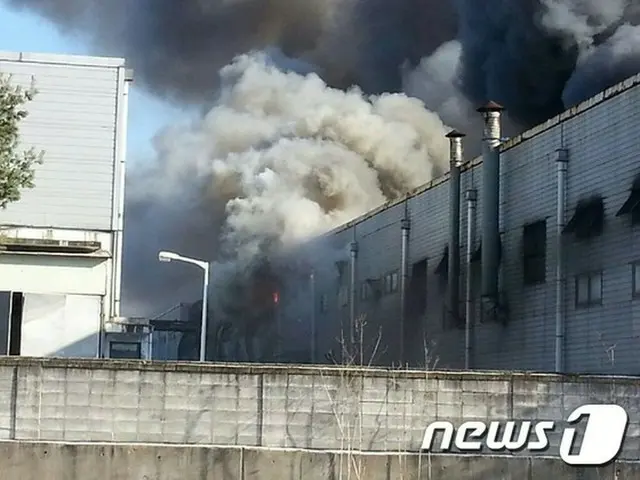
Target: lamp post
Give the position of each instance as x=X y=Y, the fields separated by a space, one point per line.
x=171 y=256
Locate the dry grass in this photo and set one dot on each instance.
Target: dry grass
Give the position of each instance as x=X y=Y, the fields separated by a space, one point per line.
x=345 y=394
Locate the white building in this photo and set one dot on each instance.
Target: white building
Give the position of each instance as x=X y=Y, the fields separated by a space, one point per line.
x=61 y=244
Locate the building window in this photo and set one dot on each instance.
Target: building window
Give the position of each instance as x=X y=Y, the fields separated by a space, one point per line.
x=476 y=256
x=343 y=296
x=442 y=269
x=534 y=252
x=341 y=266
x=418 y=289
x=324 y=304
x=588 y=218
x=589 y=289
x=365 y=291
x=635 y=271
x=130 y=350
x=632 y=205
x=391 y=282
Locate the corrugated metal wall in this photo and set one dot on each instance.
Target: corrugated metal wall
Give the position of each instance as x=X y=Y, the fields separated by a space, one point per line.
x=603 y=151
x=73 y=119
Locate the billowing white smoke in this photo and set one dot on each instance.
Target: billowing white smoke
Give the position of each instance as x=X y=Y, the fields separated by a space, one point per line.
x=283 y=158
x=437 y=82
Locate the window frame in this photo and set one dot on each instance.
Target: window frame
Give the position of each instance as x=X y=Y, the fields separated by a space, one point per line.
x=391 y=282
x=537 y=255
x=138 y=349
x=365 y=291
x=343 y=296
x=590 y=276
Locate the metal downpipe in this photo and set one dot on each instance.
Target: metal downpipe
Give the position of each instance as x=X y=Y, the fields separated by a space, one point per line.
x=471 y=198
x=353 y=250
x=562 y=161
x=404 y=283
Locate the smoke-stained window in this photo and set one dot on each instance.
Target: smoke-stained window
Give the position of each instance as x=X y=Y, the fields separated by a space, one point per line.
x=534 y=252
x=341 y=267
x=442 y=269
x=589 y=289
x=418 y=288
x=588 y=219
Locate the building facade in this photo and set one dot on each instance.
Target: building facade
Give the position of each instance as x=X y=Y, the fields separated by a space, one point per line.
x=558 y=288
x=61 y=243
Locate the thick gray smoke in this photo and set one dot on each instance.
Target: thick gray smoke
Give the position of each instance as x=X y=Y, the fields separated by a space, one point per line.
x=281 y=157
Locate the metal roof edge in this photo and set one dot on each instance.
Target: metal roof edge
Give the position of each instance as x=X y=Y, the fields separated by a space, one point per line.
x=407 y=196
x=572 y=112
x=62 y=59
x=582 y=107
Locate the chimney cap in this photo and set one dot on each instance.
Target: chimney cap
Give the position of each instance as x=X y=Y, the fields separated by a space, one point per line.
x=491 y=106
x=455 y=134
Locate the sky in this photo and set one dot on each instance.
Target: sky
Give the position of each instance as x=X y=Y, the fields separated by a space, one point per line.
x=25 y=32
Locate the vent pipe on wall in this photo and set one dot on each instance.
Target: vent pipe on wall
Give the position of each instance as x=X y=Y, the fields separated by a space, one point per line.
x=490 y=252
x=455 y=158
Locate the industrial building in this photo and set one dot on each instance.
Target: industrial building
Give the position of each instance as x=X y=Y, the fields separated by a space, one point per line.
x=525 y=258
x=61 y=243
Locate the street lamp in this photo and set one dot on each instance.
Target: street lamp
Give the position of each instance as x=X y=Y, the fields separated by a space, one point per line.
x=169 y=257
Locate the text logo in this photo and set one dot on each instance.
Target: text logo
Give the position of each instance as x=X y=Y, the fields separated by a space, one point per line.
x=601 y=442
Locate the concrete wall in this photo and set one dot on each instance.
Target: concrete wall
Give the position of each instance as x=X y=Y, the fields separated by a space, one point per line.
x=281 y=406
x=36 y=461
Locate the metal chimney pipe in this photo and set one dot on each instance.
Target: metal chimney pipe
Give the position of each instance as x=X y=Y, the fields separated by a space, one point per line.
x=491 y=202
x=455 y=159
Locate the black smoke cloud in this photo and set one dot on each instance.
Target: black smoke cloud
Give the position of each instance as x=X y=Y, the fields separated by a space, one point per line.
x=536 y=57
x=178 y=47
x=525 y=54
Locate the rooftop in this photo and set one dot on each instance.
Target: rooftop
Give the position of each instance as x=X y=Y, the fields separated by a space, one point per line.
x=582 y=107
x=60 y=59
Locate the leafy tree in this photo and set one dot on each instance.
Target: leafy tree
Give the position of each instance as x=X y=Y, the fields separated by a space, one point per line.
x=16 y=165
